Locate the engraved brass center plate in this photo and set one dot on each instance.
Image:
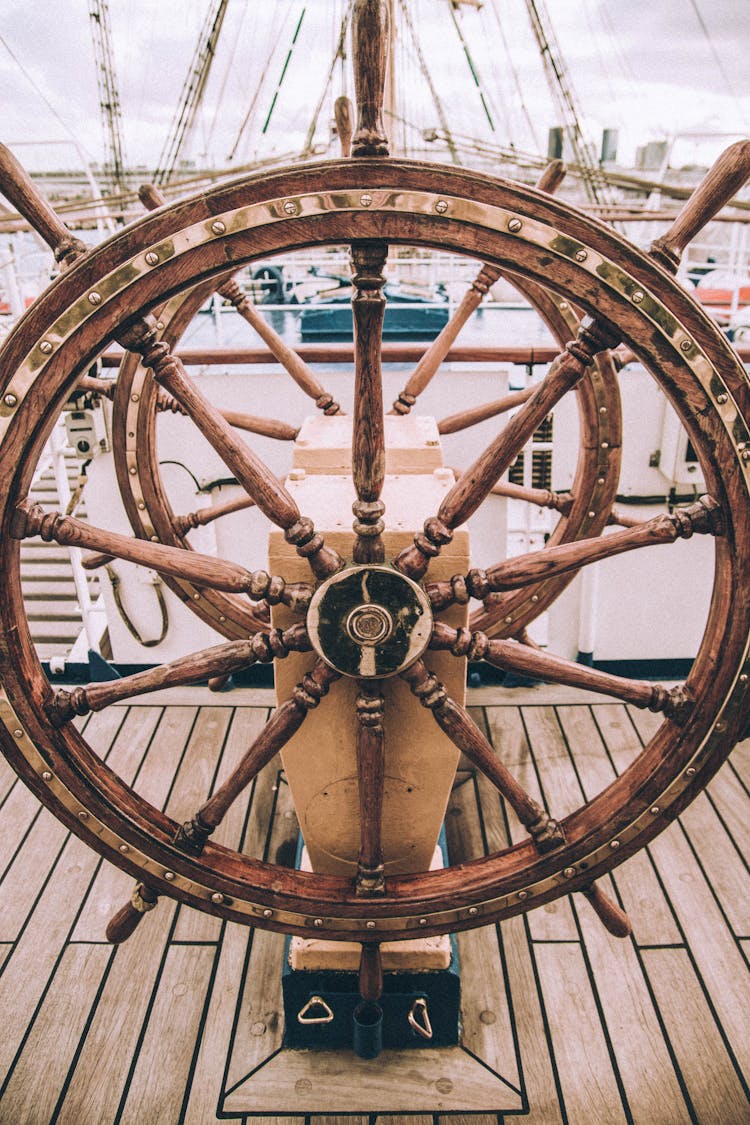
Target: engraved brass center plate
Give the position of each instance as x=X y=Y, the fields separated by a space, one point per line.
x=369 y=621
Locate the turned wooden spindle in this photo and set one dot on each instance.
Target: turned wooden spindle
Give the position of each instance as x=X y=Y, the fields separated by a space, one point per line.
x=613 y=917
x=203 y=570
x=456 y=422
x=286 y=720
x=368 y=427
x=475 y=485
x=370 y=32
x=343 y=113
x=702 y=518
x=201 y=517
x=370 y=972
x=467 y=737
x=271 y=497
x=371 y=778
x=124 y=922
x=17 y=187
x=151 y=197
x=435 y=355
x=208 y=663
x=538 y=664
x=720 y=184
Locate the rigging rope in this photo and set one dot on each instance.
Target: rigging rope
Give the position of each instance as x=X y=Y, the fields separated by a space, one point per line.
x=340 y=53
x=428 y=79
x=472 y=68
x=279 y=84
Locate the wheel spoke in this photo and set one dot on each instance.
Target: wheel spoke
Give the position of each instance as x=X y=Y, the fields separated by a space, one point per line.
x=477 y=482
x=467 y=737
x=466 y=418
x=203 y=516
x=17 y=186
x=513 y=656
x=203 y=570
x=370 y=31
x=286 y=721
x=430 y=362
x=722 y=181
x=368 y=436
x=151 y=197
x=218 y=661
x=371 y=777
x=703 y=517
x=612 y=916
x=255 y=477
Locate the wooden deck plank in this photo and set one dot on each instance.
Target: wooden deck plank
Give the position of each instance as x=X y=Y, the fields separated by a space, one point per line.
x=713 y=946
x=54 y=1036
x=5 y=951
x=28 y=969
x=653 y=1092
x=246 y=725
x=24 y=879
x=207 y=1087
x=112 y=887
x=553 y=921
x=101 y=1072
x=17 y=816
x=7 y=780
x=740 y=759
x=636 y=880
x=722 y=864
x=730 y=800
x=578 y=1041
x=164 y=1059
x=707 y=1070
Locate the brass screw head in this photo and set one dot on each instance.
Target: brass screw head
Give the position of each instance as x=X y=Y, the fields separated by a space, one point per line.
x=365 y=199
x=514 y=225
x=686 y=345
x=441 y=206
x=581 y=255
x=218 y=227
x=217 y=897
x=637 y=297
x=152 y=258
x=568 y=872
x=290 y=207
x=10 y=400
x=95 y=298
x=45 y=347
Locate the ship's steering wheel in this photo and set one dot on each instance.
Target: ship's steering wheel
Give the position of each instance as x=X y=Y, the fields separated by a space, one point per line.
x=370 y=202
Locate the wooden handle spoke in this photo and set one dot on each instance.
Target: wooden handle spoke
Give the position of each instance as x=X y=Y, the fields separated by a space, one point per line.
x=152 y=197
x=722 y=181
x=255 y=477
x=368 y=430
x=286 y=721
x=703 y=517
x=467 y=737
x=477 y=414
x=513 y=656
x=370 y=31
x=129 y=916
x=17 y=186
x=477 y=482
x=343 y=113
x=203 y=516
x=203 y=570
x=371 y=777
x=266 y=427
x=428 y=365
x=370 y=972
x=218 y=661
x=613 y=917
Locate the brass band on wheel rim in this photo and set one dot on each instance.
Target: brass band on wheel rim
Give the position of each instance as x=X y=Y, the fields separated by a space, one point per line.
x=675 y=339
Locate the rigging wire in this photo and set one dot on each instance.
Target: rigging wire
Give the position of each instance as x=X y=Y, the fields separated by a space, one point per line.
x=718 y=60
x=222 y=90
x=261 y=84
x=340 y=53
x=515 y=74
x=472 y=68
x=45 y=99
x=280 y=82
x=428 y=79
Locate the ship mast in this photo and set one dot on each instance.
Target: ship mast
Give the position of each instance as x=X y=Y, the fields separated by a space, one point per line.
x=109 y=98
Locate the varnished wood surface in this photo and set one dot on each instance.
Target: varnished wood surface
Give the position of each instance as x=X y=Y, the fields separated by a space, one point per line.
x=176 y=1024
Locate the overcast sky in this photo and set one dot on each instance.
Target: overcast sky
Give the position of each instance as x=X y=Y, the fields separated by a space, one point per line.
x=651 y=68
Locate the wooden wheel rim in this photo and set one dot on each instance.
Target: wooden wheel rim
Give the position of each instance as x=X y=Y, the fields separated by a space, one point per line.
x=602 y=274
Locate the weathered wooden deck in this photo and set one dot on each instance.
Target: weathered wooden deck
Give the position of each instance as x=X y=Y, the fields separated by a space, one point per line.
x=183 y=1024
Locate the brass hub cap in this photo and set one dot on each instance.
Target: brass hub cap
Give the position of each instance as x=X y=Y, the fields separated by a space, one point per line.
x=369 y=621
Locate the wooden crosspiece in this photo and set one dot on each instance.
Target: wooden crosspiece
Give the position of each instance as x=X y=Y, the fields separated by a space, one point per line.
x=285 y=721
x=703 y=518
x=476 y=414
x=477 y=482
x=467 y=737
x=368 y=428
x=371 y=779
x=207 y=664
x=151 y=197
x=527 y=660
x=202 y=570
